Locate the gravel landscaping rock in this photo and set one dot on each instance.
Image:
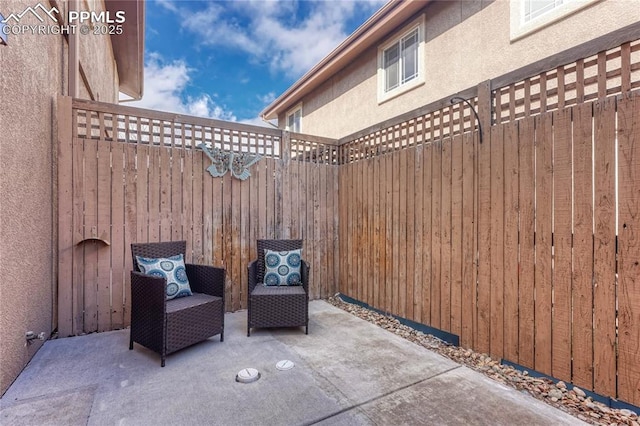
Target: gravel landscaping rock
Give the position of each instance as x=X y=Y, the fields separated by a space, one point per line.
x=573 y=401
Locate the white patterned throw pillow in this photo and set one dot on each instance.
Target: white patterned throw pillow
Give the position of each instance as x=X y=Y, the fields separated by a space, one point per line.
x=172 y=269
x=282 y=267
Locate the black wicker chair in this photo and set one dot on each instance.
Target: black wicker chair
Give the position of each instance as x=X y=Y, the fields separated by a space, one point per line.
x=165 y=326
x=278 y=306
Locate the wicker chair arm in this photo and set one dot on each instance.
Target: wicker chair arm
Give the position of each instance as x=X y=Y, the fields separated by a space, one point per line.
x=206 y=279
x=304 y=272
x=148 y=294
x=252 y=275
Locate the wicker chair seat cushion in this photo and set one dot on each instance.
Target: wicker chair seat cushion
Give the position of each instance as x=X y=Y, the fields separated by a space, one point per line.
x=196 y=299
x=170 y=268
x=282 y=267
x=265 y=290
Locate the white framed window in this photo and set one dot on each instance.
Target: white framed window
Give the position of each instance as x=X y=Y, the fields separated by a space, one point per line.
x=528 y=16
x=401 y=62
x=294 y=119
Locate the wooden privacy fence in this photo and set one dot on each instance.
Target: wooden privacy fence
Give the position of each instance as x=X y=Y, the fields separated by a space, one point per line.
x=130 y=175
x=524 y=246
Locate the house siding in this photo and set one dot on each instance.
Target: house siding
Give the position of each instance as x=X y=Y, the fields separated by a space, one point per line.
x=34 y=73
x=467 y=42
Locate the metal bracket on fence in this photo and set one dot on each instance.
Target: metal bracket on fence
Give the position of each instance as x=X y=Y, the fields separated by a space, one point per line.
x=466 y=101
x=222 y=162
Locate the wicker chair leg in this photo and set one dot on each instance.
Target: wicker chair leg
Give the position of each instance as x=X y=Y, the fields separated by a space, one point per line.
x=306 y=329
x=130 y=342
x=222 y=336
x=248 y=331
x=162 y=361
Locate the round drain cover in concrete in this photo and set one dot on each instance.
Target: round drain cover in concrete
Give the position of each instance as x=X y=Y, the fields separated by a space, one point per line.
x=247 y=375
x=285 y=364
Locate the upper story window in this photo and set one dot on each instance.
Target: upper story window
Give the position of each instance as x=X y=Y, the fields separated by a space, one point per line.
x=528 y=16
x=294 y=119
x=535 y=8
x=400 y=63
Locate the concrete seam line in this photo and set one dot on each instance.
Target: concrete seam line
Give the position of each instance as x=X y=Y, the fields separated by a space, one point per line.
x=344 y=410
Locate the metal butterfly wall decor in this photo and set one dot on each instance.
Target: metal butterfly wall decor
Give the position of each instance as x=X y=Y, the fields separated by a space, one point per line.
x=222 y=162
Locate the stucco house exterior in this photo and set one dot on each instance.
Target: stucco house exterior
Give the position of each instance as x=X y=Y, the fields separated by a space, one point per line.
x=412 y=53
x=39 y=65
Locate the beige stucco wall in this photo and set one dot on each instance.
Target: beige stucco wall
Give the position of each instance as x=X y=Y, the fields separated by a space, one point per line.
x=33 y=74
x=456 y=57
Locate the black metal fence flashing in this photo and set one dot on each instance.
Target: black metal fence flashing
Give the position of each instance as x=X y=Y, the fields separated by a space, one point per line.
x=606 y=400
x=447 y=337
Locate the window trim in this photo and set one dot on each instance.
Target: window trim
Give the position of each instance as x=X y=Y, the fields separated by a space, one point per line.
x=384 y=96
x=520 y=29
x=291 y=112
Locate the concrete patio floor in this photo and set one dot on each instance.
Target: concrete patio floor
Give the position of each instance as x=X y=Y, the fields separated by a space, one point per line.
x=347 y=372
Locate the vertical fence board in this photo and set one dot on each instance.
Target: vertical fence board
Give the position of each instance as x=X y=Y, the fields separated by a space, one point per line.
x=562 y=226
x=78 y=235
x=445 y=248
x=427 y=234
x=388 y=194
x=66 y=123
x=118 y=230
x=165 y=193
x=131 y=224
x=468 y=290
x=456 y=234
x=629 y=250
x=526 y=266
x=583 y=248
x=543 y=241
x=155 y=189
x=604 y=252
x=402 y=219
x=418 y=207
x=370 y=246
x=199 y=176
x=142 y=194
x=177 y=200
x=187 y=201
x=436 y=232
x=323 y=208
x=395 y=271
x=344 y=214
x=217 y=224
x=245 y=243
x=511 y=209
x=482 y=336
x=235 y=242
x=208 y=207
x=90 y=247
x=497 y=241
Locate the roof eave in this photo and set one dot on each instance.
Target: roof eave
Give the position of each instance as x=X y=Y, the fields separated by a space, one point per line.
x=128 y=47
x=383 y=22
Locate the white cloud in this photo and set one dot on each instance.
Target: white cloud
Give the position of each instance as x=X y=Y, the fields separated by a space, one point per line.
x=267 y=98
x=270 y=33
x=164 y=86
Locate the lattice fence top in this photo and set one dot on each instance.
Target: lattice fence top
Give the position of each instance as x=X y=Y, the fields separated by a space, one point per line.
x=116 y=123
x=611 y=72
x=449 y=121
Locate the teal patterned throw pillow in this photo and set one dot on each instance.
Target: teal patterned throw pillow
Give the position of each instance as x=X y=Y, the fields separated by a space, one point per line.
x=172 y=269
x=282 y=267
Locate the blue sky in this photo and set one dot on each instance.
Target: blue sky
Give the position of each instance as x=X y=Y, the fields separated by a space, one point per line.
x=230 y=59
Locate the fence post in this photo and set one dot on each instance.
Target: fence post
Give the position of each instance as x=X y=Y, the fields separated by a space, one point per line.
x=285 y=147
x=64 y=199
x=484 y=107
